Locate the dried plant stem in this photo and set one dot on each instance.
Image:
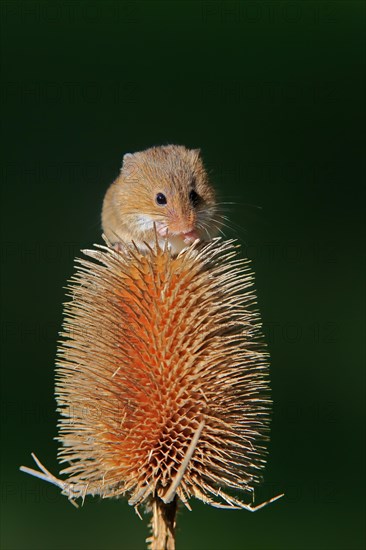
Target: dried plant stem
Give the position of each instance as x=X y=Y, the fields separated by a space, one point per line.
x=163 y=525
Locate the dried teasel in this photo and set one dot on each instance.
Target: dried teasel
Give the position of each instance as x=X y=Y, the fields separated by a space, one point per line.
x=162 y=381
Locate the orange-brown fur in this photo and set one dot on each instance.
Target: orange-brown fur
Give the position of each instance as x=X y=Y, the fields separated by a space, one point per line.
x=130 y=207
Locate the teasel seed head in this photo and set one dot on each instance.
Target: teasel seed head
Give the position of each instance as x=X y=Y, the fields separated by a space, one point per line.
x=162 y=377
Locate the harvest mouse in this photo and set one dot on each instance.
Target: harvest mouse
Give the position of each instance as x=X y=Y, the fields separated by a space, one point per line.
x=166 y=188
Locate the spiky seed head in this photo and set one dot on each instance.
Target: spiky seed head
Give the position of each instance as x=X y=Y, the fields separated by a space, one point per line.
x=162 y=377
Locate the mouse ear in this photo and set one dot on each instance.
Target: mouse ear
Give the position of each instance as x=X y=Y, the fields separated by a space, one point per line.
x=125 y=159
x=128 y=164
x=196 y=156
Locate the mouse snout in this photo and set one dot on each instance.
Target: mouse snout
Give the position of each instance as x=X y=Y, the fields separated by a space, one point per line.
x=183 y=223
x=186 y=231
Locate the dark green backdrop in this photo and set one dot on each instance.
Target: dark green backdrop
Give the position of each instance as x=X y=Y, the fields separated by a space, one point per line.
x=272 y=93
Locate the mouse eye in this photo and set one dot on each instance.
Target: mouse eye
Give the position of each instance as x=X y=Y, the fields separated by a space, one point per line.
x=194 y=197
x=161 y=198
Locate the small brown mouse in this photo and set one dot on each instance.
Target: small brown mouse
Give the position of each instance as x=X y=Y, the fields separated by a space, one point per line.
x=165 y=187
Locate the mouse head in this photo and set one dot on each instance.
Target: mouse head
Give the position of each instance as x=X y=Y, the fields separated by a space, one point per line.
x=168 y=186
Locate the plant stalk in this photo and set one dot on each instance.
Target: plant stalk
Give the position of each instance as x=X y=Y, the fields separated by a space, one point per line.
x=162 y=525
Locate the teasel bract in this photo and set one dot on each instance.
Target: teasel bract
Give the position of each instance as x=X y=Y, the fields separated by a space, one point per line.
x=162 y=381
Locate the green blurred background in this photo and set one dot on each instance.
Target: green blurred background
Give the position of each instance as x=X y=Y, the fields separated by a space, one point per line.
x=272 y=93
